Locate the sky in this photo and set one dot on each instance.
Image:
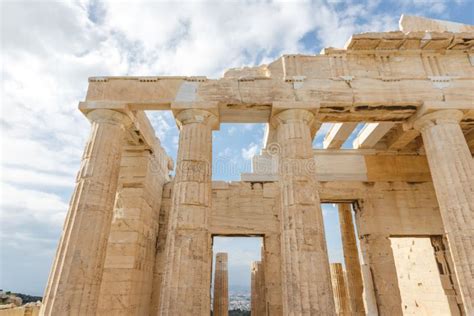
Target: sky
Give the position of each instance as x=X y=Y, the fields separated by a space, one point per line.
x=49 y=49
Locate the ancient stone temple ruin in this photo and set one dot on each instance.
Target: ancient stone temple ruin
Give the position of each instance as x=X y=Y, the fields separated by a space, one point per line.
x=138 y=241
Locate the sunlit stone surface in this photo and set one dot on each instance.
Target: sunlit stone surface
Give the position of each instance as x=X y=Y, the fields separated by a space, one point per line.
x=138 y=241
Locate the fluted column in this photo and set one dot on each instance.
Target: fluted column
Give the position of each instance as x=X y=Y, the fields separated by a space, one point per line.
x=339 y=288
x=186 y=284
x=74 y=283
x=306 y=281
x=221 y=290
x=452 y=170
x=258 y=299
x=351 y=259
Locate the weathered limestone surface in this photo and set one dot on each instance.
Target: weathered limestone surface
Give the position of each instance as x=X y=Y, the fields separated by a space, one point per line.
x=418 y=277
x=221 y=286
x=160 y=258
x=393 y=209
x=29 y=309
x=452 y=169
x=74 y=282
x=410 y=23
x=378 y=251
x=186 y=284
x=127 y=279
x=341 y=298
x=447 y=274
x=258 y=300
x=306 y=281
x=351 y=259
x=272 y=270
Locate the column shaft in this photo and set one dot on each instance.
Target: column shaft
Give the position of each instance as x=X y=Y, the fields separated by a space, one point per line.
x=186 y=284
x=378 y=254
x=221 y=291
x=452 y=170
x=351 y=259
x=339 y=288
x=74 y=282
x=305 y=267
x=258 y=300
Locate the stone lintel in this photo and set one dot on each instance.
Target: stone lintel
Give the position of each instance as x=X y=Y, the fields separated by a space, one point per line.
x=280 y=106
x=358 y=165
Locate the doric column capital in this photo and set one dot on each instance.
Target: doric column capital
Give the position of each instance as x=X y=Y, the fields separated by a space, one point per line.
x=109 y=116
x=293 y=115
x=437 y=118
x=196 y=116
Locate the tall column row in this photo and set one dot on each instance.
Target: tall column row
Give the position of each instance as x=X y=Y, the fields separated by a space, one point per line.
x=452 y=169
x=306 y=278
x=74 y=283
x=187 y=279
x=351 y=259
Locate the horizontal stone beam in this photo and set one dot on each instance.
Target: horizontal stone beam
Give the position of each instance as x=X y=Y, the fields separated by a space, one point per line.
x=356 y=165
x=338 y=134
x=400 y=138
x=371 y=133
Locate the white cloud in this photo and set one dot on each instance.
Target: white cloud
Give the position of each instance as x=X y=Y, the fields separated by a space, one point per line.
x=19 y=205
x=232 y=130
x=226 y=153
x=250 y=151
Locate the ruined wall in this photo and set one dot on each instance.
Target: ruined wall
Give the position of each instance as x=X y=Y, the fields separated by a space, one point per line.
x=127 y=280
x=249 y=209
x=385 y=208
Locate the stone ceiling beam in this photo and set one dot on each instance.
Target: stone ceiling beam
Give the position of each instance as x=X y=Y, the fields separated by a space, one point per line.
x=371 y=133
x=400 y=137
x=338 y=134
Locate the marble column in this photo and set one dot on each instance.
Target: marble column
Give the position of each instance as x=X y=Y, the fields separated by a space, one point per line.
x=339 y=289
x=221 y=290
x=187 y=280
x=452 y=170
x=351 y=259
x=306 y=281
x=74 y=283
x=258 y=300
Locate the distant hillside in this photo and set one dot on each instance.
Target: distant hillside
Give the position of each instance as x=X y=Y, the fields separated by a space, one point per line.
x=25 y=298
